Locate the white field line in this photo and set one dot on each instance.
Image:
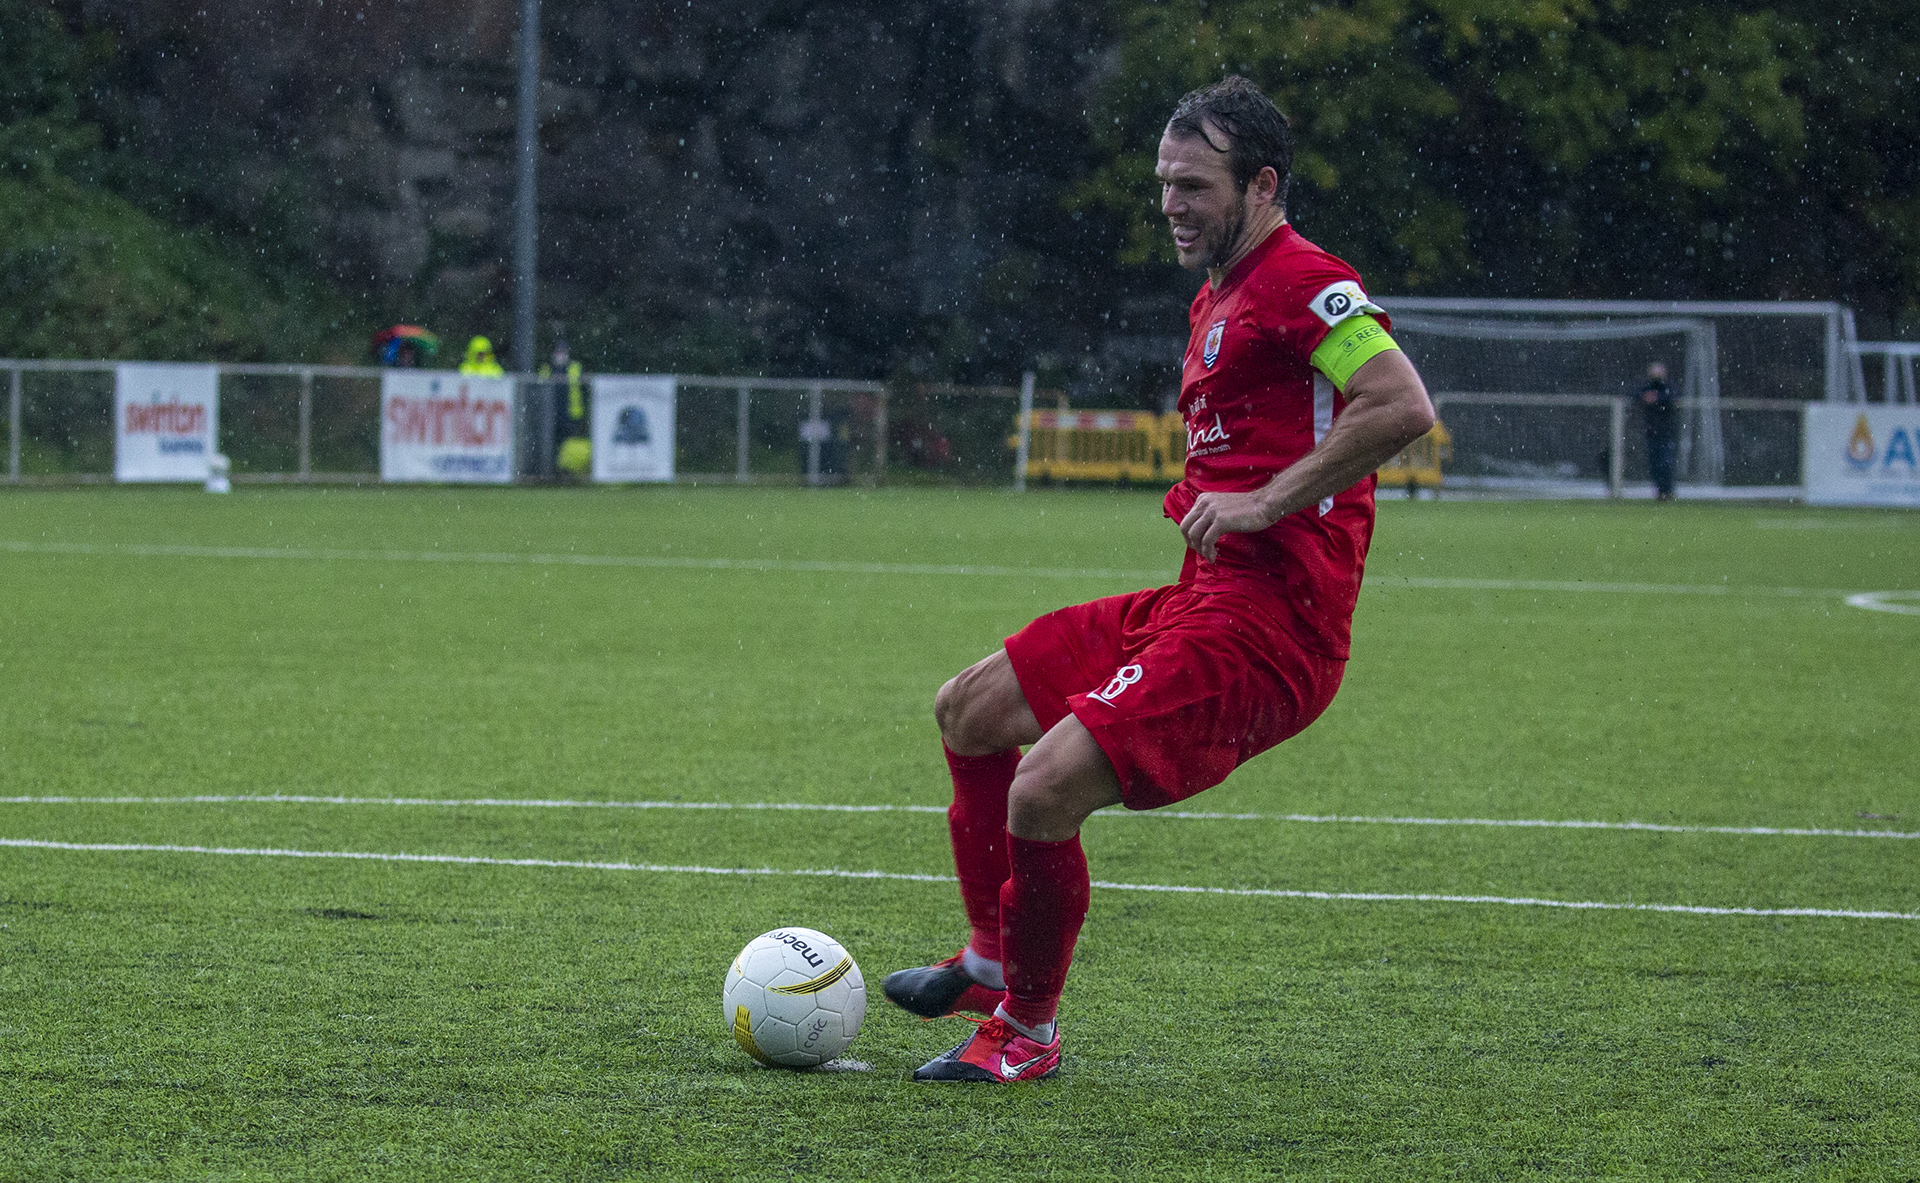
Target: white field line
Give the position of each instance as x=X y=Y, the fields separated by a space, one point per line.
x=837 y=873
x=821 y=807
x=838 y=567
x=1872 y=523
x=1905 y=603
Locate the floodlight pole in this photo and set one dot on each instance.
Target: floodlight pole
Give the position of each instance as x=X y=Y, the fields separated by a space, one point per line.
x=525 y=213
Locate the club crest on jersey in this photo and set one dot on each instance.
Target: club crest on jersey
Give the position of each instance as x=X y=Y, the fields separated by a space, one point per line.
x=1210 y=348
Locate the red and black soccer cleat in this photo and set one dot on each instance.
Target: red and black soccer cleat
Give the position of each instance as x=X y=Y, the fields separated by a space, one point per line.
x=995 y=1052
x=943 y=988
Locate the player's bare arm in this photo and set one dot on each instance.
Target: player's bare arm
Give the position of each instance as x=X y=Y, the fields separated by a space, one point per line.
x=1387 y=409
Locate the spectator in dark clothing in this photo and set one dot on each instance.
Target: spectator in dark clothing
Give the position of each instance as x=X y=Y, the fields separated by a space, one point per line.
x=1663 y=429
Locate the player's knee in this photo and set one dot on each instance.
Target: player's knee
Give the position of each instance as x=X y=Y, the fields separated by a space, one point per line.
x=1056 y=787
x=947 y=707
x=960 y=711
x=1039 y=806
x=981 y=710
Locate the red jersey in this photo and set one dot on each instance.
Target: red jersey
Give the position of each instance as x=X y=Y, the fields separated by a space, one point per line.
x=1254 y=404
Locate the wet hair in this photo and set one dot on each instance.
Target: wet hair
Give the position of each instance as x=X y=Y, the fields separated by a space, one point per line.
x=1257 y=133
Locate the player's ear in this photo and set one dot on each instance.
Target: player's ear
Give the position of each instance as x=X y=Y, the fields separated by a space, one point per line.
x=1265 y=185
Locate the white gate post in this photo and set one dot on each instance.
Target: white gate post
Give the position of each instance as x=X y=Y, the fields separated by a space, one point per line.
x=1023 y=449
x=1616 y=447
x=741 y=440
x=13 y=427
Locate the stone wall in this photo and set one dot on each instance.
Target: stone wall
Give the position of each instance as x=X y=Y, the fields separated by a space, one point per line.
x=851 y=187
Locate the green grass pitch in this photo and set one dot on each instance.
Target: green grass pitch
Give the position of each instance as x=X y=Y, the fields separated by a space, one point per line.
x=179 y=1015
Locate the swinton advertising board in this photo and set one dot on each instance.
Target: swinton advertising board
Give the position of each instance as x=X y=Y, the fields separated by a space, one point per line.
x=164 y=419
x=632 y=428
x=436 y=425
x=1856 y=454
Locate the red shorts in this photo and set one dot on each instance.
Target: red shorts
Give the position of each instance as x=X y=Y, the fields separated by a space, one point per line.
x=1178 y=686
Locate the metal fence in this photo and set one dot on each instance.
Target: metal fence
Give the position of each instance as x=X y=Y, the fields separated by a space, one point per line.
x=1896 y=382
x=297 y=423
x=300 y=423
x=1569 y=444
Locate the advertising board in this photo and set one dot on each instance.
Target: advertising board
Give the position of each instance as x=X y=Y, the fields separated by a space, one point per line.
x=164 y=420
x=437 y=425
x=632 y=428
x=1860 y=454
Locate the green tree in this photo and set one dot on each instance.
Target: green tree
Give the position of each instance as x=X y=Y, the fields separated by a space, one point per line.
x=86 y=273
x=1559 y=147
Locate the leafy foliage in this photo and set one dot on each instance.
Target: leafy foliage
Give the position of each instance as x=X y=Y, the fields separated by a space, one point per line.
x=1561 y=147
x=85 y=272
x=712 y=198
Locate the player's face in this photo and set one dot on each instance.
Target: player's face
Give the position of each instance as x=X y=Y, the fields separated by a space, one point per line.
x=1205 y=209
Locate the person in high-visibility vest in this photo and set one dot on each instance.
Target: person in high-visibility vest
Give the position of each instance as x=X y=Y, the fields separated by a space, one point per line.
x=575 y=452
x=576 y=448
x=480 y=361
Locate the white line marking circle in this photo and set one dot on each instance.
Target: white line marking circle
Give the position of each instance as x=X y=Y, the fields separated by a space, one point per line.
x=1906 y=603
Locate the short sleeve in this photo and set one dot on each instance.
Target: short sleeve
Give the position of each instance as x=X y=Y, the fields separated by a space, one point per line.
x=1310 y=298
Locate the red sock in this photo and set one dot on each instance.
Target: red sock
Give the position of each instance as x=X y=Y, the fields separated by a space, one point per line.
x=977 y=819
x=1041 y=909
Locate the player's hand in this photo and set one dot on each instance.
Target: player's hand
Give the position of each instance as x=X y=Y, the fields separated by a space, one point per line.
x=1214 y=514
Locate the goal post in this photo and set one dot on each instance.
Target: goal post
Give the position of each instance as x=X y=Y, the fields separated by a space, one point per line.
x=1542 y=393
x=1563 y=365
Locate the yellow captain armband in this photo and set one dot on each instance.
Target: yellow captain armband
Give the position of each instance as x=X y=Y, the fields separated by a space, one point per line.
x=1349 y=345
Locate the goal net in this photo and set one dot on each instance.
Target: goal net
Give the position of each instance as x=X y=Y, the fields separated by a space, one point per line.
x=1535 y=400
x=1543 y=393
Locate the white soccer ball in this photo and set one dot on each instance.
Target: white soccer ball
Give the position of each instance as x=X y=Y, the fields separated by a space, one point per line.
x=794 y=998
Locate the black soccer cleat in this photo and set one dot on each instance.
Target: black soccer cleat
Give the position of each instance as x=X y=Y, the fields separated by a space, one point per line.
x=943 y=988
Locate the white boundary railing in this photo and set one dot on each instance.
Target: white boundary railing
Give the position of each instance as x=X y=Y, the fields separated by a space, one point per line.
x=1617 y=408
x=812 y=434
x=1896 y=359
x=815 y=390
x=16 y=368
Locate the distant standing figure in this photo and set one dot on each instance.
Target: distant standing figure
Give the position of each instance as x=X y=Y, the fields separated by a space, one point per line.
x=576 y=448
x=480 y=360
x=1663 y=429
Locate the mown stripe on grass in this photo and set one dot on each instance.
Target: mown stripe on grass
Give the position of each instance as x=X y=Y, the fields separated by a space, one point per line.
x=847 y=567
x=828 y=807
x=838 y=873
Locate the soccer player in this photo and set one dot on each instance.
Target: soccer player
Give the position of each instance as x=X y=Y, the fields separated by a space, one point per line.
x=1293 y=394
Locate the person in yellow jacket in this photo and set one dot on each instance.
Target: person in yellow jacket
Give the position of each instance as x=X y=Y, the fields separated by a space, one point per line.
x=480 y=360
